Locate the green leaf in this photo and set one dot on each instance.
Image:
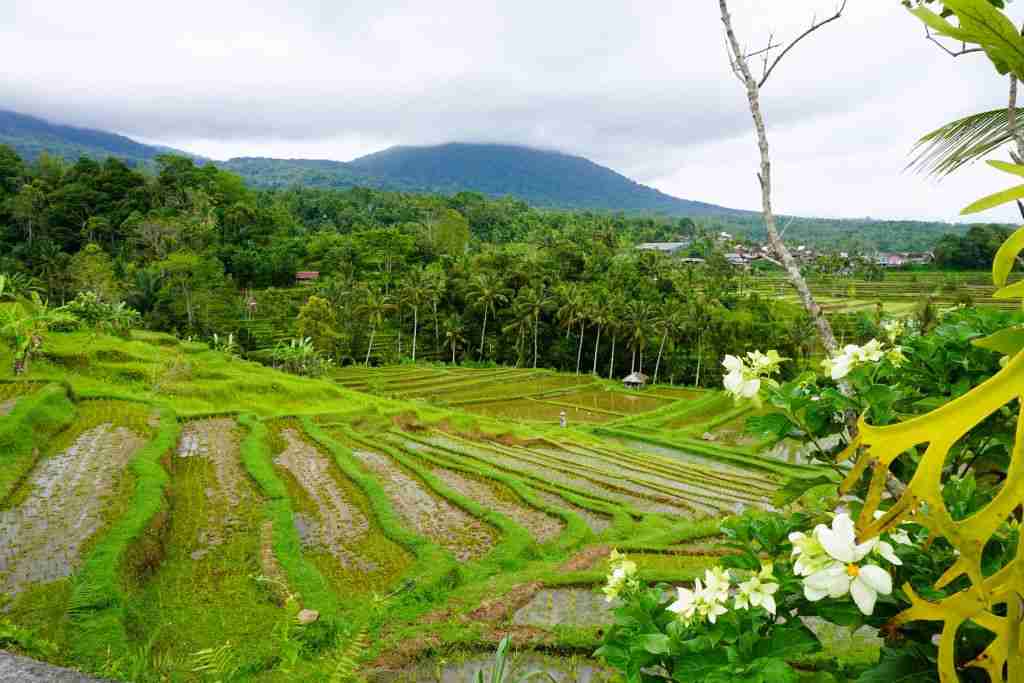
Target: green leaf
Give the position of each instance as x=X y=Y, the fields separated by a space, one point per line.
x=795 y=488
x=1007 y=342
x=787 y=642
x=1006 y=257
x=840 y=613
x=772 y=424
x=993 y=200
x=656 y=643
x=1014 y=291
x=1015 y=169
x=905 y=667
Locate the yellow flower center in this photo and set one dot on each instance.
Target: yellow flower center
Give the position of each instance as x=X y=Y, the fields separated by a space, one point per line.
x=852 y=569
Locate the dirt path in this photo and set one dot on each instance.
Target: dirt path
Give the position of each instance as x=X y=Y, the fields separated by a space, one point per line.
x=41 y=538
x=338 y=524
x=427 y=513
x=216 y=440
x=25 y=670
x=541 y=526
x=7 y=406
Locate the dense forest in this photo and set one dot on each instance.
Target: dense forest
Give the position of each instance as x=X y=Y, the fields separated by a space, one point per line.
x=195 y=251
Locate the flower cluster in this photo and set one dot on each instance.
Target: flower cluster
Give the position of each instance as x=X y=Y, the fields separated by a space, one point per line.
x=705 y=602
x=622 y=577
x=833 y=564
x=744 y=376
x=852 y=356
x=894 y=329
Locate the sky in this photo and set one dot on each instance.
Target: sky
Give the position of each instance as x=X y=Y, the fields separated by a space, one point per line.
x=643 y=87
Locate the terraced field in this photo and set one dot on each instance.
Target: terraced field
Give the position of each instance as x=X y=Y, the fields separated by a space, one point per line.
x=221 y=521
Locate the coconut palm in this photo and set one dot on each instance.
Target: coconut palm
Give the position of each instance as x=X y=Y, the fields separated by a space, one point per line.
x=486 y=292
x=638 y=318
x=669 y=323
x=616 y=308
x=373 y=309
x=572 y=312
x=453 y=334
x=416 y=292
x=598 y=312
x=535 y=300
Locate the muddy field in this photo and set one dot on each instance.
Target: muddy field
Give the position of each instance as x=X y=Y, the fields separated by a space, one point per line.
x=337 y=524
x=565 y=606
x=428 y=514
x=541 y=526
x=42 y=537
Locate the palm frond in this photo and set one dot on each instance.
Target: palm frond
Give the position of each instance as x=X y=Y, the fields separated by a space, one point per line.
x=960 y=142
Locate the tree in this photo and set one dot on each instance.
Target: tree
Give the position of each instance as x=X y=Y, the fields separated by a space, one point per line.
x=92 y=270
x=24 y=326
x=571 y=312
x=373 y=309
x=318 y=323
x=534 y=301
x=598 y=312
x=638 y=317
x=739 y=59
x=27 y=208
x=453 y=334
x=487 y=291
x=415 y=292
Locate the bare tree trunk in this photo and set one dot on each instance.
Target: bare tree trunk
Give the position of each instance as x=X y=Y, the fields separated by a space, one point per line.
x=611 y=363
x=657 y=365
x=373 y=331
x=742 y=69
x=579 y=351
x=597 y=347
x=483 y=333
x=536 y=324
x=415 y=329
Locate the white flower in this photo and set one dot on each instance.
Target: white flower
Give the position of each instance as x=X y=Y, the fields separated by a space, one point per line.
x=843 y=574
x=871 y=352
x=811 y=556
x=901 y=537
x=740 y=387
x=622 y=576
x=851 y=356
x=718 y=582
x=686 y=602
x=893 y=329
x=743 y=379
x=758 y=591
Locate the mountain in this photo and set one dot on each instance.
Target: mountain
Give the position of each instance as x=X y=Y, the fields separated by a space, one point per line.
x=30 y=136
x=539 y=177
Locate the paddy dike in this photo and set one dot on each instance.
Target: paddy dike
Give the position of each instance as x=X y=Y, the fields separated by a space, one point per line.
x=597 y=522
x=42 y=537
x=336 y=525
x=427 y=513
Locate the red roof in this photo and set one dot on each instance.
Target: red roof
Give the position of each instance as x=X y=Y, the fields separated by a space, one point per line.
x=307 y=275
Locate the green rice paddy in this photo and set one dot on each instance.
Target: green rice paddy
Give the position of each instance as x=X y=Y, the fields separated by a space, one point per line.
x=411 y=511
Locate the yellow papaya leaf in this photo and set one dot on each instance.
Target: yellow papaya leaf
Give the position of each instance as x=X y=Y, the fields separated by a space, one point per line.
x=994 y=200
x=1006 y=257
x=1007 y=342
x=986 y=600
x=1006 y=167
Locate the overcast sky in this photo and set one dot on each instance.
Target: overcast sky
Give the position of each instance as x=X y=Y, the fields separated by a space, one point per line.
x=642 y=86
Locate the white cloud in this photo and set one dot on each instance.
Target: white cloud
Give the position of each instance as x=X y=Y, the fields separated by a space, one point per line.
x=643 y=87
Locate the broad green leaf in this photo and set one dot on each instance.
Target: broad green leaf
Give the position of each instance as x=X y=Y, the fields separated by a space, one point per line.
x=795 y=488
x=656 y=643
x=993 y=200
x=1015 y=169
x=787 y=642
x=901 y=667
x=1007 y=342
x=992 y=31
x=1006 y=257
x=937 y=23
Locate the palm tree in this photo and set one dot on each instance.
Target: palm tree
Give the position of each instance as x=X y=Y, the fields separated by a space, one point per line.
x=487 y=292
x=436 y=283
x=453 y=334
x=616 y=307
x=571 y=312
x=598 y=313
x=535 y=301
x=415 y=292
x=375 y=306
x=671 y=320
x=639 y=315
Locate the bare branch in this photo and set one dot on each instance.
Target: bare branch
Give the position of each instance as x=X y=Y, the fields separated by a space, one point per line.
x=767 y=49
x=815 y=25
x=964 y=50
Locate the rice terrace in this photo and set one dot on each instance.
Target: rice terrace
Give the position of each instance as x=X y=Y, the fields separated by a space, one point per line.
x=475 y=408
x=168 y=506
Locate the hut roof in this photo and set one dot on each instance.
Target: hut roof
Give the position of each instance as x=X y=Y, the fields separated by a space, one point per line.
x=636 y=378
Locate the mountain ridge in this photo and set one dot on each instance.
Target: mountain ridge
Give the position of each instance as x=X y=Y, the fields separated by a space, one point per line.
x=542 y=178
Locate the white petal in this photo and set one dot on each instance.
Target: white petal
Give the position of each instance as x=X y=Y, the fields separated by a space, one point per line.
x=769 y=604
x=813 y=594
x=733 y=364
x=877 y=578
x=837 y=545
x=886 y=551
x=864 y=595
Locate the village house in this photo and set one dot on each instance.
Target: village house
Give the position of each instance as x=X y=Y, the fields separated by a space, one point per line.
x=307 y=277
